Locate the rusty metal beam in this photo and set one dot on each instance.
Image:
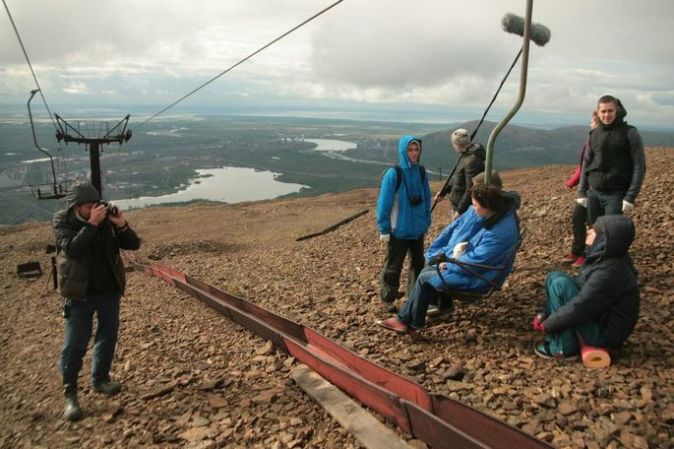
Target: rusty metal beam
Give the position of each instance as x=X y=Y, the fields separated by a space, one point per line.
x=437 y=420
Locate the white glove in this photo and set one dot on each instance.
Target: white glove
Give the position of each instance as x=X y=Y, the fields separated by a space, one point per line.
x=384 y=238
x=582 y=202
x=627 y=206
x=459 y=250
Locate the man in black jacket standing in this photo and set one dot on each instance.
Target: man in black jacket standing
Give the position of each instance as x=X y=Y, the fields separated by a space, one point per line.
x=614 y=165
x=470 y=163
x=89 y=235
x=602 y=303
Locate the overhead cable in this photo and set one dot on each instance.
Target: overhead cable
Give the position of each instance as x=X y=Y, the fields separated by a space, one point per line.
x=238 y=63
x=25 y=53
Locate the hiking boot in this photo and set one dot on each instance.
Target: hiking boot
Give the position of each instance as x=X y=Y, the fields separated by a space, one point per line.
x=72 y=410
x=439 y=311
x=543 y=350
x=397 y=326
x=579 y=262
x=389 y=307
x=569 y=258
x=108 y=388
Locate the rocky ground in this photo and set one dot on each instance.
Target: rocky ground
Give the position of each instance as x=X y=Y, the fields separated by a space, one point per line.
x=193 y=379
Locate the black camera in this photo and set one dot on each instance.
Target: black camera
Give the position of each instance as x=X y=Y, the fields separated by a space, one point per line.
x=111 y=208
x=416 y=200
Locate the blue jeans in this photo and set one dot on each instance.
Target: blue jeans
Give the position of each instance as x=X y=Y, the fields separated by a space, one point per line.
x=413 y=312
x=601 y=203
x=78 y=328
x=560 y=288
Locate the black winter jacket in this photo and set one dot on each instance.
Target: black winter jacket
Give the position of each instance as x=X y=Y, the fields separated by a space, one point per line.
x=609 y=293
x=471 y=163
x=88 y=258
x=615 y=160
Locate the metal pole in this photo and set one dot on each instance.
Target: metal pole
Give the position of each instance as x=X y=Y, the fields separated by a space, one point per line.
x=95 y=164
x=520 y=100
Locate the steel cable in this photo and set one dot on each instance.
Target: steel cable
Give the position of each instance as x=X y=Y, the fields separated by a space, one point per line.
x=238 y=63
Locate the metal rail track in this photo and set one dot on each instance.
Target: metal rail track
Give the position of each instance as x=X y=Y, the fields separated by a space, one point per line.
x=439 y=421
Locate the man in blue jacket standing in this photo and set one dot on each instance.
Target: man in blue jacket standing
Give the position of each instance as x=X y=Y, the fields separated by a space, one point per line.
x=403 y=217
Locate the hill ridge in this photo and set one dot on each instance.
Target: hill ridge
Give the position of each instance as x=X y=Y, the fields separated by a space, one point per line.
x=331 y=284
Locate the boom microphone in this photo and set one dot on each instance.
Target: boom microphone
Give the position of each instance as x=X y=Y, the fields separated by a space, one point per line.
x=540 y=34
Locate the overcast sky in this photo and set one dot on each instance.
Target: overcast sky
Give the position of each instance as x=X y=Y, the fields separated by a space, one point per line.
x=363 y=54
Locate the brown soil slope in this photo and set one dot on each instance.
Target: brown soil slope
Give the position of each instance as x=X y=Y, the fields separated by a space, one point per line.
x=193 y=379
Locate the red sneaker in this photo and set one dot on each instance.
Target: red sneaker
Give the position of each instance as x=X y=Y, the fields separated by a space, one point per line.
x=579 y=262
x=395 y=325
x=569 y=258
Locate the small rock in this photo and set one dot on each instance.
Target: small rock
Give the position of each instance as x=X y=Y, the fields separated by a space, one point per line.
x=416 y=365
x=265 y=349
x=455 y=372
x=567 y=408
x=212 y=384
x=622 y=418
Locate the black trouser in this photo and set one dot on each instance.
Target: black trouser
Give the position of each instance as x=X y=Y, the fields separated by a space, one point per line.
x=579 y=225
x=393 y=265
x=603 y=203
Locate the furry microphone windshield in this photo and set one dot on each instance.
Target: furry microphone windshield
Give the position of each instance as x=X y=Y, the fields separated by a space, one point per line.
x=512 y=23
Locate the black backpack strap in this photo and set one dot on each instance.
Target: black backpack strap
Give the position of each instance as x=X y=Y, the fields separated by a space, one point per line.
x=399 y=176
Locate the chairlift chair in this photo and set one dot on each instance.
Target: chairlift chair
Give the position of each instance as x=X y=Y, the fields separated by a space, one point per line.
x=45 y=191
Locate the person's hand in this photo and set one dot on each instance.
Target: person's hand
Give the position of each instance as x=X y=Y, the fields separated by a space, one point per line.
x=443 y=266
x=582 y=202
x=384 y=239
x=118 y=220
x=459 y=250
x=627 y=206
x=455 y=215
x=539 y=323
x=439 y=196
x=98 y=213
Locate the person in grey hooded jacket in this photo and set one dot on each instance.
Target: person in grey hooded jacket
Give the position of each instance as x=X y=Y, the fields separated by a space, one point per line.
x=602 y=304
x=91 y=279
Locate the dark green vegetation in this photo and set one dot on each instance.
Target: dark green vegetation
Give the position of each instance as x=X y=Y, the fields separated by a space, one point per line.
x=164 y=154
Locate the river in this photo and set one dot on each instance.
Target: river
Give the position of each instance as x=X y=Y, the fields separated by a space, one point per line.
x=228 y=184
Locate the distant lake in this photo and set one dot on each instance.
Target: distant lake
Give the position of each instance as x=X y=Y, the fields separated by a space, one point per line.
x=331 y=145
x=228 y=184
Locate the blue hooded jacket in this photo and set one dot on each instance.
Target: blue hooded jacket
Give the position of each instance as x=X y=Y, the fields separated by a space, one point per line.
x=460 y=230
x=396 y=215
x=491 y=245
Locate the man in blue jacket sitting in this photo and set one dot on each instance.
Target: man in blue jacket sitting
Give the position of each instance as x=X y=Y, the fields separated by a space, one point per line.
x=403 y=217
x=490 y=246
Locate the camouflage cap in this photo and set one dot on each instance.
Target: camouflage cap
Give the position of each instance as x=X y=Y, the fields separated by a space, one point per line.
x=461 y=137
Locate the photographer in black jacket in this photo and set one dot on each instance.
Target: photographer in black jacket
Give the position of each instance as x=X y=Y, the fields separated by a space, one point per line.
x=91 y=278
